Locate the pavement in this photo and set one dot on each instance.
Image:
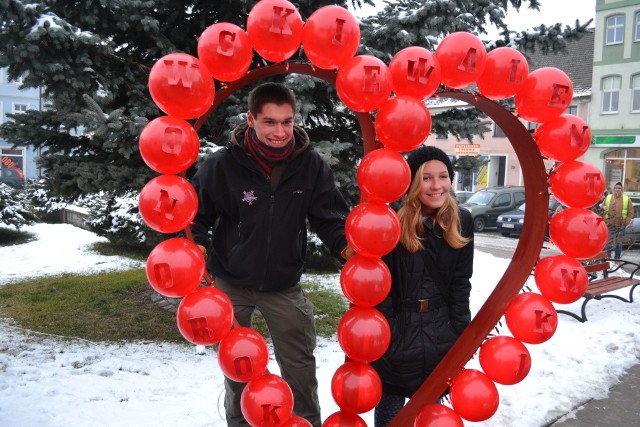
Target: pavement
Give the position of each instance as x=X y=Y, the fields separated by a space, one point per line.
x=620 y=409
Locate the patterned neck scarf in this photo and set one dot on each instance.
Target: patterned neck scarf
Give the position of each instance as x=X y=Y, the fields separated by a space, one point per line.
x=266 y=155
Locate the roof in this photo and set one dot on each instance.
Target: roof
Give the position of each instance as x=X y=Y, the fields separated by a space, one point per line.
x=576 y=62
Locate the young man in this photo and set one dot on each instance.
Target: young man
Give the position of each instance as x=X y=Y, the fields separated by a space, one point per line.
x=256 y=195
x=618 y=213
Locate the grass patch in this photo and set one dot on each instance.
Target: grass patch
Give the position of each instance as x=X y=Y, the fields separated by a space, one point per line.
x=114 y=249
x=10 y=236
x=111 y=306
x=117 y=306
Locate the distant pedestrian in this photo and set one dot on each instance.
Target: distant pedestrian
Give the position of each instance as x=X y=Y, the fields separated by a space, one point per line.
x=618 y=212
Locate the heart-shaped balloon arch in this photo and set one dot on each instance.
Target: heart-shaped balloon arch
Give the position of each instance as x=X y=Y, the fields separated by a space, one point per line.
x=183 y=87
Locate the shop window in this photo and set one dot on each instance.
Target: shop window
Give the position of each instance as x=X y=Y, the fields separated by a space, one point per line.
x=610 y=94
x=623 y=166
x=615 y=29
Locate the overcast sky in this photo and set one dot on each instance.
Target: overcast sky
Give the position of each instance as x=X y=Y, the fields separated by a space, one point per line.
x=551 y=11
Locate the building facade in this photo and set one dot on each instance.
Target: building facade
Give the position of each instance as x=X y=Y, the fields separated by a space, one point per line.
x=615 y=108
x=503 y=166
x=20 y=162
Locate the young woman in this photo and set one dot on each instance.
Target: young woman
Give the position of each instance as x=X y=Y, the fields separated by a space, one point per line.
x=428 y=306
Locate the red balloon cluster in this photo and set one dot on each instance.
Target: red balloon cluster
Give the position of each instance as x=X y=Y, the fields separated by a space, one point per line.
x=182 y=86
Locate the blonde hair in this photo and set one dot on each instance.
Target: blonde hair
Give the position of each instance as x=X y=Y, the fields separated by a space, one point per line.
x=411 y=222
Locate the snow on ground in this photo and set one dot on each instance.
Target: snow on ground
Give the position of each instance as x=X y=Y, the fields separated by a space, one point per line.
x=56 y=381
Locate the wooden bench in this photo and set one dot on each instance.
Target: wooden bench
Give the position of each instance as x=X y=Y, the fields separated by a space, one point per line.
x=599 y=288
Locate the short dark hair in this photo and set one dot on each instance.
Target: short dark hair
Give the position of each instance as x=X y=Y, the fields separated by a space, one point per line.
x=276 y=93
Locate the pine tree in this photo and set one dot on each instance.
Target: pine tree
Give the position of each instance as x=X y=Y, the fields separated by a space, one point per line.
x=92 y=59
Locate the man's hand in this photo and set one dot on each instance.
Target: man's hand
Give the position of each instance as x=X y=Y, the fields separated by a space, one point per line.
x=347 y=252
x=204 y=251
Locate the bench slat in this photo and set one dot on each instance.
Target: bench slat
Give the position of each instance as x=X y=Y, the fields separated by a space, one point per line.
x=601 y=286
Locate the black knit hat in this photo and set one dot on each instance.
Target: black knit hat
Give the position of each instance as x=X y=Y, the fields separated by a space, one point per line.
x=424 y=154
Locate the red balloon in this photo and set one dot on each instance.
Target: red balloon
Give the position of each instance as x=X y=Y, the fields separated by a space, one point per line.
x=205 y=316
x=545 y=94
x=383 y=175
x=504 y=73
x=415 y=72
x=363 y=83
x=505 y=360
x=168 y=203
x=560 y=278
x=365 y=281
x=372 y=229
x=169 y=145
x=363 y=334
x=403 y=123
x=531 y=318
x=578 y=233
x=175 y=267
x=564 y=138
x=462 y=57
x=436 y=415
x=577 y=184
x=296 y=421
x=225 y=50
x=267 y=401
x=342 y=419
x=356 y=387
x=275 y=29
x=243 y=355
x=330 y=37
x=181 y=86
x=473 y=395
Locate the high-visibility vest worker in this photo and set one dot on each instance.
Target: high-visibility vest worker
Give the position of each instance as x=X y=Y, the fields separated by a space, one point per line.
x=625 y=206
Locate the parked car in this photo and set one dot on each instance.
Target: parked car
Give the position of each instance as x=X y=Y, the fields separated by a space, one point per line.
x=487 y=204
x=463 y=196
x=632 y=232
x=512 y=222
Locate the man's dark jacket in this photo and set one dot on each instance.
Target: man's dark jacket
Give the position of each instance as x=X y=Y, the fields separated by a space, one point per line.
x=259 y=233
x=420 y=340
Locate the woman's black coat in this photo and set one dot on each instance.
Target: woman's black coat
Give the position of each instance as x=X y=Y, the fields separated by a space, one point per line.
x=419 y=340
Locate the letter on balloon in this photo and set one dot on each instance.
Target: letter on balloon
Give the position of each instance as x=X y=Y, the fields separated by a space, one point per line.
x=569 y=280
x=469 y=62
x=337 y=36
x=279 y=24
x=163 y=275
x=558 y=96
x=243 y=366
x=181 y=72
x=577 y=138
x=199 y=328
x=514 y=78
x=165 y=205
x=225 y=43
x=269 y=415
x=172 y=140
x=371 y=81
x=420 y=71
x=542 y=322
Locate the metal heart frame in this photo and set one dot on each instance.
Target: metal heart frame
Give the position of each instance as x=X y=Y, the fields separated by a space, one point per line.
x=527 y=251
